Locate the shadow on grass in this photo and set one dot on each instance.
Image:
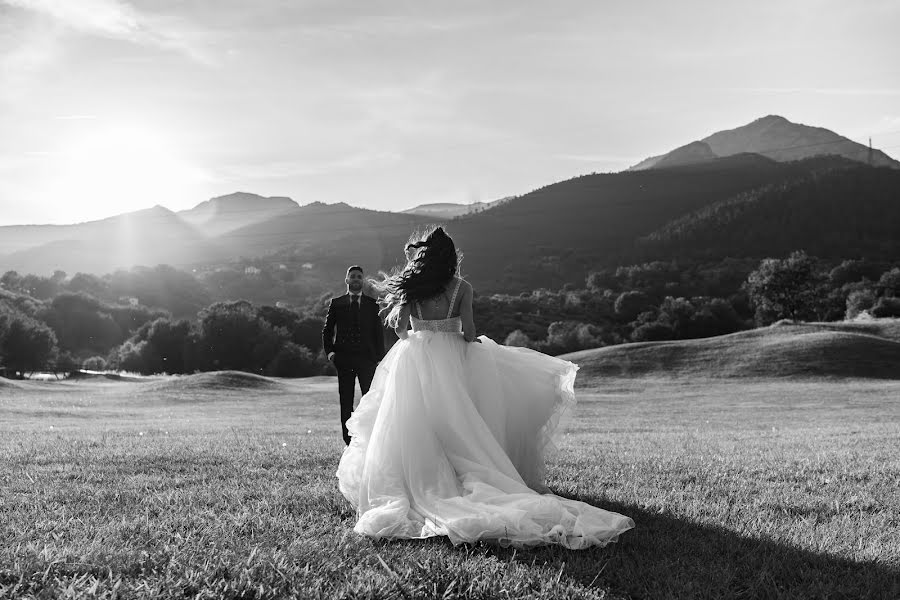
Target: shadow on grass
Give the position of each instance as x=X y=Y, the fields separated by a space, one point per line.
x=665 y=557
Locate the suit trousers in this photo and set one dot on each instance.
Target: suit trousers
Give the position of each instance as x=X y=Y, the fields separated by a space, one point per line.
x=350 y=367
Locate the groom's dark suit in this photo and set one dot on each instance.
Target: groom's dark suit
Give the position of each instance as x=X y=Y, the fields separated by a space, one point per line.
x=353 y=332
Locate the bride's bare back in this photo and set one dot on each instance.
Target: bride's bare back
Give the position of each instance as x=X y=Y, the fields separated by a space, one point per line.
x=439 y=307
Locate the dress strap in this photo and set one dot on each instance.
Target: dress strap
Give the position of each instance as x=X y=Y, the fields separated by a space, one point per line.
x=453 y=299
x=419 y=309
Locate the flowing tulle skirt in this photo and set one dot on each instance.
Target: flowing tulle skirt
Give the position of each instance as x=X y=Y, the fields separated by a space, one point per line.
x=450 y=441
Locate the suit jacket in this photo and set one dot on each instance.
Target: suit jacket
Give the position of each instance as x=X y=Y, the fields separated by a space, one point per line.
x=337 y=326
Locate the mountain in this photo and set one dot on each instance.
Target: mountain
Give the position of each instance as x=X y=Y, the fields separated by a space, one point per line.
x=336 y=233
x=557 y=234
x=146 y=237
x=233 y=211
x=450 y=210
x=843 y=213
x=774 y=137
x=15 y=238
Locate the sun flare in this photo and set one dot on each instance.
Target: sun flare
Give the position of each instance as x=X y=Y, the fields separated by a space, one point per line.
x=123 y=168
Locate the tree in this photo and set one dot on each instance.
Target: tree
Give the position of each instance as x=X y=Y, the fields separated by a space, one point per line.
x=25 y=343
x=293 y=360
x=162 y=287
x=852 y=271
x=889 y=282
x=10 y=281
x=653 y=331
x=88 y=284
x=632 y=303
x=94 y=363
x=231 y=335
x=82 y=324
x=886 y=307
x=859 y=301
x=168 y=347
x=570 y=336
x=784 y=288
x=518 y=338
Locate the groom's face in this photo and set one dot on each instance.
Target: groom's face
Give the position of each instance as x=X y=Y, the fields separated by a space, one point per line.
x=354 y=281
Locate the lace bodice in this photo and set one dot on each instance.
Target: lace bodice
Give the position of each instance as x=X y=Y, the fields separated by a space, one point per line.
x=451 y=325
x=448 y=325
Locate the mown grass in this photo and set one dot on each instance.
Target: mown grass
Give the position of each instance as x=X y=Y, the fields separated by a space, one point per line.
x=742 y=489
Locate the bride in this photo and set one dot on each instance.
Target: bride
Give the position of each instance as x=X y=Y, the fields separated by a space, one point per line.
x=450 y=439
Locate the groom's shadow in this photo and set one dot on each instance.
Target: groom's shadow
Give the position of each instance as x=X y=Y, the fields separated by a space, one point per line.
x=666 y=557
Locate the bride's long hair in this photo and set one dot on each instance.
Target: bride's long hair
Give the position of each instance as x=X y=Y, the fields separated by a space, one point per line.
x=432 y=263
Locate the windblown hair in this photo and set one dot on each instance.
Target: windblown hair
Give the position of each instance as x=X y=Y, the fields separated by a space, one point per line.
x=430 y=268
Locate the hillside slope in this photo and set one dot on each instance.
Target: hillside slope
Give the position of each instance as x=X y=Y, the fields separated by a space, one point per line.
x=838 y=214
x=334 y=234
x=146 y=237
x=558 y=233
x=867 y=350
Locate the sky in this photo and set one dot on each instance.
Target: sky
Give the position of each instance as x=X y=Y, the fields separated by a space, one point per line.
x=109 y=106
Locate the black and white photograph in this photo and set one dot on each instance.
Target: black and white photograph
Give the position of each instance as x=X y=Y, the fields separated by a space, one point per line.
x=450 y=299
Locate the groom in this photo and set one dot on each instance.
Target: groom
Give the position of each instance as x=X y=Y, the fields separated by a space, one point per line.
x=353 y=340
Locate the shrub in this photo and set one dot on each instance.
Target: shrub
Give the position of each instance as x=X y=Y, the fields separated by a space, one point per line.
x=293 y=360
x=653 y=332
x=94 y=363
x=25 y=343
x=886 y=307
x=518 y=338
x=630 y=304
x=859 y=301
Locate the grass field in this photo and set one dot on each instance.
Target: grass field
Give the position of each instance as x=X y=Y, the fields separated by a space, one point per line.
x=222 y=486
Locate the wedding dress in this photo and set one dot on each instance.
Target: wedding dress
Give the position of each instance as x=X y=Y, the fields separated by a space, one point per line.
x=450 y=441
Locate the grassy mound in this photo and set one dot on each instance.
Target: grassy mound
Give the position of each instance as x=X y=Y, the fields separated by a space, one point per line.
x=855 y=349
x=82 y=375
x=217 y=381
x=9 y=384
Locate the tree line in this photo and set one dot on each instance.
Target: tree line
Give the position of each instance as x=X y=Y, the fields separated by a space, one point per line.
x=74 y=323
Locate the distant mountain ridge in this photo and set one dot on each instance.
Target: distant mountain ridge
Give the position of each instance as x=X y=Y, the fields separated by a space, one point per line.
x=451 y=210
x=692 y=204
x=233 y=211
x=145 y=237
x=774 y=137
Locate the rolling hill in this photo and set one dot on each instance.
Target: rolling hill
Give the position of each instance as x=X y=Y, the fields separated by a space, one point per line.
x=864 y=350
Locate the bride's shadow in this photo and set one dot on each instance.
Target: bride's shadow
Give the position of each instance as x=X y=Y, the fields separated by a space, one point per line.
x=666 y=557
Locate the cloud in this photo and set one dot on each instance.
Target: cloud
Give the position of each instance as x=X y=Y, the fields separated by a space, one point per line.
x=597 y=158
x=820 y=91
x=76 y=117
x=29 y=52
x=306 y=168
x=113 y=19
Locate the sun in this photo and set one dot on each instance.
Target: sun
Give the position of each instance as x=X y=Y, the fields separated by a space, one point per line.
x=114 y=169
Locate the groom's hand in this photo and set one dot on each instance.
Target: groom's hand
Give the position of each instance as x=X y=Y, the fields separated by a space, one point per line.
x=331 y=356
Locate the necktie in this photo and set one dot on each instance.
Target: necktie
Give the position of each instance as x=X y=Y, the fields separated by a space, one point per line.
x=354 y=312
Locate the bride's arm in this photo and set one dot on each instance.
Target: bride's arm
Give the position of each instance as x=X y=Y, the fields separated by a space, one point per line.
x=465 y=312
x=403 y=323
